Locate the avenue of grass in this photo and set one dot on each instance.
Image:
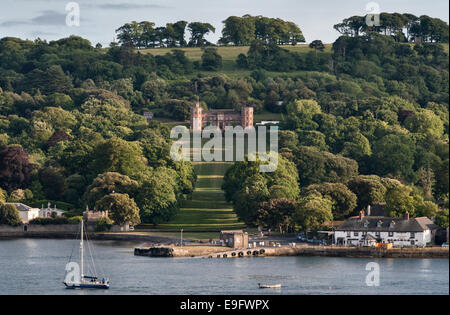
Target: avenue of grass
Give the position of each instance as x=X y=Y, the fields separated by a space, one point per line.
x=207 y=211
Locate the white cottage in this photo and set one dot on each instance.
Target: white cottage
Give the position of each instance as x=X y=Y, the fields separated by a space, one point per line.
x=400 y=232
x=26 y=213
x=47 y=212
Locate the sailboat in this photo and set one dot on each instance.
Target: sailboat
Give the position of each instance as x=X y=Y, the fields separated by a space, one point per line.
x=86 y=282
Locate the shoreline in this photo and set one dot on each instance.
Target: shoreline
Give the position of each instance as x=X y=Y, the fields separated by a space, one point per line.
x=286 y=251
x=98 y=236
x=166 y=248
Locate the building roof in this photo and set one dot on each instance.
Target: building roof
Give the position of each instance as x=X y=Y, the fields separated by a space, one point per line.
x=370 y=237
x=385 y=224
x=21 y=206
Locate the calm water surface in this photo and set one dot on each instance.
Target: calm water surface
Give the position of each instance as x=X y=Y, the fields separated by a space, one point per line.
x=36 y=266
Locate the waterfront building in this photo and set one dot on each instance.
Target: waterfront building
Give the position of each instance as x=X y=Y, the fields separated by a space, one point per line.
x=220 y=118
x=93 y=216
x=26 y=213
x=49 y=211
x=368 y=230
x=234 y=239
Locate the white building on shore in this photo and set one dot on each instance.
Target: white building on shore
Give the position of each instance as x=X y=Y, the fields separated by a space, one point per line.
x=400 y=232
x=26 y=213
x=49 y=211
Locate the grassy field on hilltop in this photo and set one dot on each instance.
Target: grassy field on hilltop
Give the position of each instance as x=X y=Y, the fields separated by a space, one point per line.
x=227 y=52
x=229 y=55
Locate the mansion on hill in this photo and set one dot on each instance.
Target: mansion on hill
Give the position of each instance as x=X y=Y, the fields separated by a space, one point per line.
x=220 y=118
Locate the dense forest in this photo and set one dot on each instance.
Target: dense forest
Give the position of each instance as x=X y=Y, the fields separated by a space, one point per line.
x=366 y=122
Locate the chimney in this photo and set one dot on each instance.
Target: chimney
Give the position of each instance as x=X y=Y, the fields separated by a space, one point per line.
x=361 y=215
x=406 y=216
x=368 y=210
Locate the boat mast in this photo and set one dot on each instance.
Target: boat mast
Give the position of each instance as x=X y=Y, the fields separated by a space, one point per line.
x=82 y=251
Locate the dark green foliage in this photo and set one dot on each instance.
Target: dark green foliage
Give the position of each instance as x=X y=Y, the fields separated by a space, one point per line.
x=50 y=221
x=9 y=215
x=401 y=27
x=15 y=168
x=211 y=60
x=103 y=224
x=121 y=208
x=247 y=188
x=240 y=31
x=315 y=166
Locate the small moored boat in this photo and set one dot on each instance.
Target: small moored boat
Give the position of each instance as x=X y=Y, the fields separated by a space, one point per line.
x=269 y=286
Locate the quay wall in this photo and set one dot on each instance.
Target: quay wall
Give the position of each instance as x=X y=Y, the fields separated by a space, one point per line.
x=70 y=231
x=349 y=252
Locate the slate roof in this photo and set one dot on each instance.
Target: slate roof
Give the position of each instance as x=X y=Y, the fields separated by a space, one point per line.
x=21 y=206
x=385 y=224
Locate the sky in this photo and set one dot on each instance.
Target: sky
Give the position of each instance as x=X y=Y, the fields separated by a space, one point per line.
x=46 y=19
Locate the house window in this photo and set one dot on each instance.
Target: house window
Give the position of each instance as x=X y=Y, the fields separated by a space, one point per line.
x=349 y=234
x=413 y=235
x=377 y=234
x=391 y=234
x=356 y=234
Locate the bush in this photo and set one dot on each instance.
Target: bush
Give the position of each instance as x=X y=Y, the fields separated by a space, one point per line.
x=50 y=221
x=211 y=60
x=103 y=224
x=75 y=220
x=9 y=215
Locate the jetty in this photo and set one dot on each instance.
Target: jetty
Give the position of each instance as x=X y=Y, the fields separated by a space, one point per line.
x=307 y=251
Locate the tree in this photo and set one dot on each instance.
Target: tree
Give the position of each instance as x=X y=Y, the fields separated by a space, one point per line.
x=52 y=80
x=131 y=34
x=317 y=45
x=247 y=200
x=15 y=168
x=117 y=155
x=3 y=196
x=313 y=211
x=236 y=178
x=427 y=181
x=9 y=215
x=277 y=214
x=394 y=154
x=316 y=167
x=53 y=182
x=121 y=208
x=343 y=199
x=426 y=209
x=157 y=197
x=425 y=121
x=211 y=60
x=238 y=31
x=442 y=219
x=198 y=31
x=109 y=183
x=399 y=201
x=369 y=190
x=179 y=30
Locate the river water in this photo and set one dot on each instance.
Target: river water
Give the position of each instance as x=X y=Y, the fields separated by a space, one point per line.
x=36 y=266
